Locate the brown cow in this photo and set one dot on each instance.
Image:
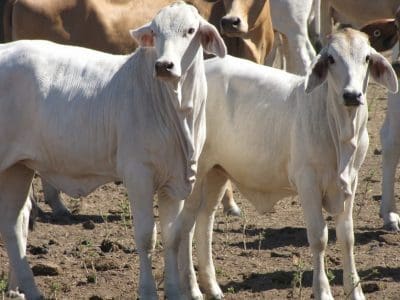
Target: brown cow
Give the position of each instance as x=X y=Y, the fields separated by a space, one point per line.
x=104 y=24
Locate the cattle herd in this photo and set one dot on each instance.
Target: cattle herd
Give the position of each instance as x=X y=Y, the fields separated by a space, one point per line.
x=134 y=96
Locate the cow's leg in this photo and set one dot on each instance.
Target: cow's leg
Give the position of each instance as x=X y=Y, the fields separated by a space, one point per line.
x=171 y=223
x=214 y=186
x=345 y=236
x=390 y=159
x=14 y=187
x=52 y=198
x=230 y=206
x=185 y=262
x=317 y=232
x=140 y=191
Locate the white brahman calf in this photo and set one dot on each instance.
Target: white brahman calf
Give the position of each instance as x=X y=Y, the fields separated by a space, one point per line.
x=384 y=34
x=83 y=118
x=275 y=135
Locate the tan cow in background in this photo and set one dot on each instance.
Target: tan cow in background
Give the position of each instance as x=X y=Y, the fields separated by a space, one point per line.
x=104 y=24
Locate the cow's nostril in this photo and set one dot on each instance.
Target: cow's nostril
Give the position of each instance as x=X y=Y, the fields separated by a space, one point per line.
x=170 y=65
x=236 y=22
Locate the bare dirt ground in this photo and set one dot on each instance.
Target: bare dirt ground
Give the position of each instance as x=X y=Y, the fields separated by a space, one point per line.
x=256 y=257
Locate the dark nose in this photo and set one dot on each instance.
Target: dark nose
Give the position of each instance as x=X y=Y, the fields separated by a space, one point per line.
x=352 y=98
x=163 y=68
x=229 y=23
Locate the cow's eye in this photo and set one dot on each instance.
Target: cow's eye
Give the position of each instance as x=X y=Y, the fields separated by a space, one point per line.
x=367 y=58
x=377 y=33
x=331 y=60
x=191 y=30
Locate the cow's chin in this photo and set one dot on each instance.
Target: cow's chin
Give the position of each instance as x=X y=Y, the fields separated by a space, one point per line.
x=234 y=33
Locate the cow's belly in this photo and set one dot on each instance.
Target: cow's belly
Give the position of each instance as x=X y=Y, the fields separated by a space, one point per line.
x=74 y=179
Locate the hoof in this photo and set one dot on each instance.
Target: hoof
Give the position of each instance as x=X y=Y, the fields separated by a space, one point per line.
x=233 y=211
x=392 y=226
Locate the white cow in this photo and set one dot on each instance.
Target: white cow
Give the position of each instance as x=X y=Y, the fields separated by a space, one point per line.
x=291 y=19
x=83 y=118
x=275 y=135
x=383 y=35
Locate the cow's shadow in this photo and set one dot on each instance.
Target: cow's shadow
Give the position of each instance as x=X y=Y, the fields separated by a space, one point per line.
x=284 y=279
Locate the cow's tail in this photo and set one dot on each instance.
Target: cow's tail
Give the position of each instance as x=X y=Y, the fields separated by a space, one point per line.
x=7 y=21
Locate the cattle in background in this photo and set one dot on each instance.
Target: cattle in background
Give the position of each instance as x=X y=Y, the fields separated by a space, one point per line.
x=83 y=118
x=291 y=18
x=308 y=136
x=384 y=34
x=355 y=12
x=104 y=24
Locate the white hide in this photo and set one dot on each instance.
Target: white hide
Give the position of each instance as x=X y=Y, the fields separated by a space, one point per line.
x=274 y=141
x=83 y=118
x=291 y=18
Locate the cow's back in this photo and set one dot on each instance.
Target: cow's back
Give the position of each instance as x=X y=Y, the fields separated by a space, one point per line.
x=97 y=24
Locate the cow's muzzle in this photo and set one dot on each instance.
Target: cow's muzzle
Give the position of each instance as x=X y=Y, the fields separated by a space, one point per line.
x=232 y=26
x=352 y=98
x=164 y=69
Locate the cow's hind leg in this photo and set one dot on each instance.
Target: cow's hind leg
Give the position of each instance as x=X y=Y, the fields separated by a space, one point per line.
x=317 y=232
x=214 y=187
x=14 y=188
x=230 y=206
x=345 y=236
x=53 y=199
x=140 y=192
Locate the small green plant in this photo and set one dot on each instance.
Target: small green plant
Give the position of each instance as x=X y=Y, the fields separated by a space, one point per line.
x=3 y=284
x=298 y=276
x=91 y=276
x=231 y=290
x=55 y=288
x=125 y=214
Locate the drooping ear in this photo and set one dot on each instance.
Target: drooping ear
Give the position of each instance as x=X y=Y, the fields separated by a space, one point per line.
x=211 y=40
x=382 y=71
x=144 y=36
x=317 y=73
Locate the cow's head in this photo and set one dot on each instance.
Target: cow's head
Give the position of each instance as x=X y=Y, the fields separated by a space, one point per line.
x=385 y=33
x=177 y=33
x=242 y=16
x=346 y=61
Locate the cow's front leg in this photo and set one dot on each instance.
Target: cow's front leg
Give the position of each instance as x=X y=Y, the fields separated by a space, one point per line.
x=171 y=223
x=140 y=192
x=185 y=261
x=317 y=232
x=14 y=207
x=345 y=236
x=390 y=159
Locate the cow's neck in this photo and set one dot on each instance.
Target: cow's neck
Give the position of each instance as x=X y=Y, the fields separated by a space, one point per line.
x=345 y=125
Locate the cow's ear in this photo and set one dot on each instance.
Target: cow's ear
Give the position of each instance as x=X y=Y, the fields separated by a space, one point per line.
x=211 y=40
x=317 y=73
x=144 y=35
x=382 y=72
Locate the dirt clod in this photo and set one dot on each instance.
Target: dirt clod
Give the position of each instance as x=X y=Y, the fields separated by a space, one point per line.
x=46 y=269
x=89 y=225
